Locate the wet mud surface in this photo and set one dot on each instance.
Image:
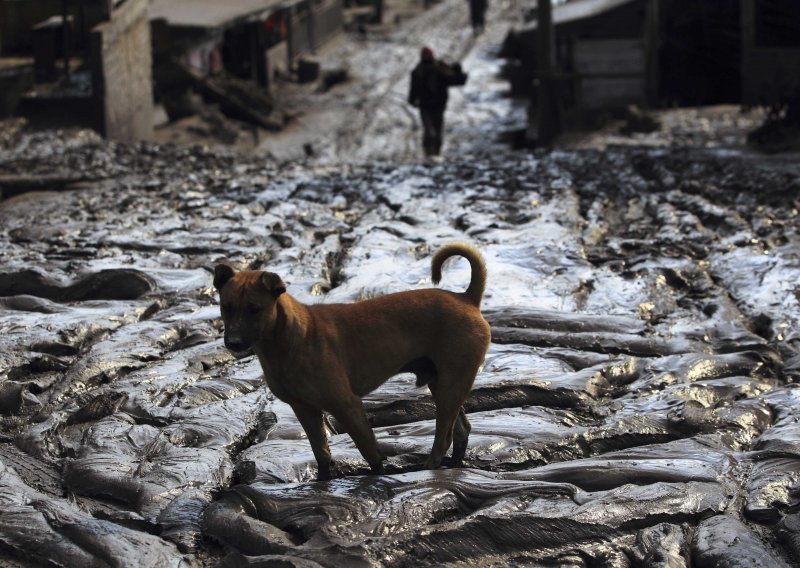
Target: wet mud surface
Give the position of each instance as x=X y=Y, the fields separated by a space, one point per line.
x=638 y=405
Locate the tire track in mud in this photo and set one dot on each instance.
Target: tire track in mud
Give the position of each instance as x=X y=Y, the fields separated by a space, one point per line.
x=431 y=27
x=590 y=433
x=386 y=127
x=701 y=226
x=368 y=119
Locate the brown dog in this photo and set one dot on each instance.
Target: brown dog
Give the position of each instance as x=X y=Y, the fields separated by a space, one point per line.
x=327 y=356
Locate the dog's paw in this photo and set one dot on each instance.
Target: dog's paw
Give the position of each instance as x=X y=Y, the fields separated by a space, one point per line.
x=453 y=462
x=324 y=472
x=432 y=463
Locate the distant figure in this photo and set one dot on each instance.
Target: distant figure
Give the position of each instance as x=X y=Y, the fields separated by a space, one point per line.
x=477 y=15
x=430 y=80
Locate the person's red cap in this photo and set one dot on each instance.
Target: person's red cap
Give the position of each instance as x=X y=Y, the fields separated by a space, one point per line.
x=426 y=53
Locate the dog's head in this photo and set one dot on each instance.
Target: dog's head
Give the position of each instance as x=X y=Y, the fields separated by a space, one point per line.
x=247 y=301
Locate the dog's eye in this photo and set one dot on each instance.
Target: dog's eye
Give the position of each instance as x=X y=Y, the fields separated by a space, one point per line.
x=253 y=308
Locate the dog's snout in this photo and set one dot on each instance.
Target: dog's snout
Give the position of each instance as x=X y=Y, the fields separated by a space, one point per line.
x=235 y=343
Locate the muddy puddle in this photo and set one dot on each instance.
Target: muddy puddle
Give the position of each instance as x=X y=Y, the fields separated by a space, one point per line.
x=637 y=407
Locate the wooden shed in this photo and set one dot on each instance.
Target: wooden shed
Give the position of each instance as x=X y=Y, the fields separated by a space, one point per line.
x=603 y=52
x=252 y=39
x=613 y=53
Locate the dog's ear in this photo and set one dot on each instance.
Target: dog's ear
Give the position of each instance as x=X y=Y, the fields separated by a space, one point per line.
x=273 y=283
x=222 y=273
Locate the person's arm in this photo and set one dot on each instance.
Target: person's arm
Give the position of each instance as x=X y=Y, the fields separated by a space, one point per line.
x=447 y=72
x=453 y=74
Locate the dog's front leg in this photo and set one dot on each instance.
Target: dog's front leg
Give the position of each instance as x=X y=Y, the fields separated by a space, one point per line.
x=311 y=420
x=350 y=414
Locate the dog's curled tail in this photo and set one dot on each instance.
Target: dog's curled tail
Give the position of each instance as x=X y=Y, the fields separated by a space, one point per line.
x=477 y=283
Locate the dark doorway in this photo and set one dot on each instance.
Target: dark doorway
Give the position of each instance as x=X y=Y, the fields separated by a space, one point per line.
x=700 y=55
x=777 y=23
x=237 y=52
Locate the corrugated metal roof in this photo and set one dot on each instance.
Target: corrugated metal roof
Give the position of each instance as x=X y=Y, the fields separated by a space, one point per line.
x=210 y=13
x=582 y=9
x=576 y=10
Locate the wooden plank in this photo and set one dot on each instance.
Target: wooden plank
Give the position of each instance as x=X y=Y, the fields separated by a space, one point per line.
x=606 y=92
x=617 y=55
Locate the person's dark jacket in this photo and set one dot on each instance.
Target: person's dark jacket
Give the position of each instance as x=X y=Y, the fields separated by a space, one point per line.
x=429 y=82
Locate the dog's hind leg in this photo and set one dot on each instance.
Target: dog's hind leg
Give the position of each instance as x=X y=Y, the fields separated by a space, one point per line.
x=460 y=438
x=445 y=420
x=350 y=415
x=311 y=420
x=448 y=405
x=450 y=389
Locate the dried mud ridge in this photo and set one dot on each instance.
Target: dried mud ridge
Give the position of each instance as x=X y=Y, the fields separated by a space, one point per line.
x=638 y=406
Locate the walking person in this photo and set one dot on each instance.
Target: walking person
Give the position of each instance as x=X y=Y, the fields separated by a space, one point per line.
x=430 y=81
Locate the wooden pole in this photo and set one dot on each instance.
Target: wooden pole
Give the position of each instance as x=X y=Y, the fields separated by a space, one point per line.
x=548 y=108
x=65 y=37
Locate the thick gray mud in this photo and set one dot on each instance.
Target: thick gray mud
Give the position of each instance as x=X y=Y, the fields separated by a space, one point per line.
x=637 y=407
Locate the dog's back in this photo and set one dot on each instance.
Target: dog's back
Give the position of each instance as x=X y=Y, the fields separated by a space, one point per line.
x=405 y=330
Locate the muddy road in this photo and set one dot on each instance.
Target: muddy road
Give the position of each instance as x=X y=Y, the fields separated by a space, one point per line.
x=638 y=405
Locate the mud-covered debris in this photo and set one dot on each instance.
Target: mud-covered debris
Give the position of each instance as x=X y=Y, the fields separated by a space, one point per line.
x=110 y=284
x=723 y=540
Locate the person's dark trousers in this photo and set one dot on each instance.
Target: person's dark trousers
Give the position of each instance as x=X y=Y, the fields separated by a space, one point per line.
x=432 y=125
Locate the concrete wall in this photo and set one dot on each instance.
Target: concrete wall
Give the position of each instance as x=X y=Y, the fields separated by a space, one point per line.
x=122 y=73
